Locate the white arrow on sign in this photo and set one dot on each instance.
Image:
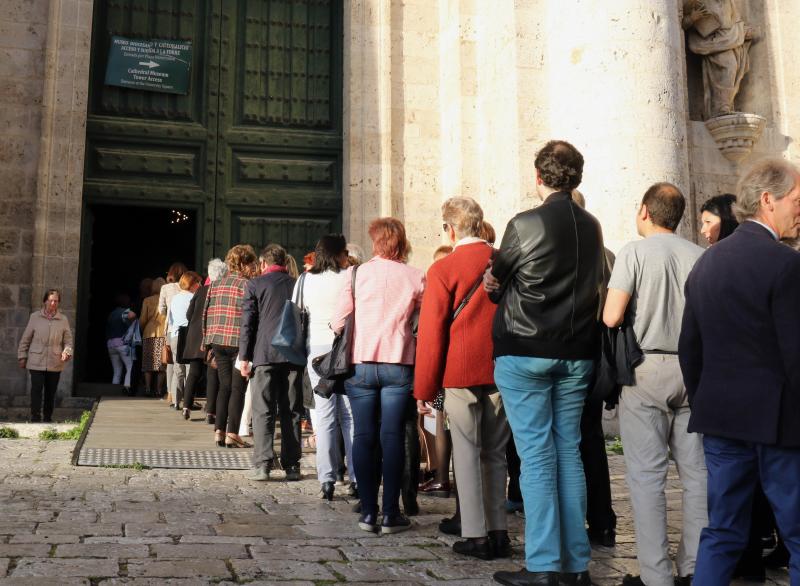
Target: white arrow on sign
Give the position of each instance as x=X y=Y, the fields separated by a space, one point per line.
x=149 y=64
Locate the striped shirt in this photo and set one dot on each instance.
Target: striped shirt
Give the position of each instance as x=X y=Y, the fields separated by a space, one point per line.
x=387 y=295
x=223 y=311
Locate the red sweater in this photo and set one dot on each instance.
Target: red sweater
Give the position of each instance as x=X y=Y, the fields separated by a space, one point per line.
x=457 y=354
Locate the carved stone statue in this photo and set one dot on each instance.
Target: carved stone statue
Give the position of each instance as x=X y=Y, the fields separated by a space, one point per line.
x=717 y=33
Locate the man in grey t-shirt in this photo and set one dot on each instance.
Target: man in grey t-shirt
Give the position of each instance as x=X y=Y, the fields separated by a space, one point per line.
x=646 y=291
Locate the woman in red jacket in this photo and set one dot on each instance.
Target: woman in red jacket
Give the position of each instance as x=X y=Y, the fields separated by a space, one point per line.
x=454 y=352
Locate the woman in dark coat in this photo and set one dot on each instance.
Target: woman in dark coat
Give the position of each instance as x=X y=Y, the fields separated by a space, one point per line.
x=193 y=351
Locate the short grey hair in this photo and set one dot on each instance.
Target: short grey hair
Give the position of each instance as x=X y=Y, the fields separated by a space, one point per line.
x=776 y=176
x=464 y=215
x=356 y=252
x=216 y=269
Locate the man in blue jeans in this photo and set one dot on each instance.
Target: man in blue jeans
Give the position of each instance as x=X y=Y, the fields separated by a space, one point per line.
x=547 y=280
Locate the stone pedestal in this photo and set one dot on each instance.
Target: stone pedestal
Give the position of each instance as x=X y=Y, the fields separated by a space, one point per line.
x=736 y=134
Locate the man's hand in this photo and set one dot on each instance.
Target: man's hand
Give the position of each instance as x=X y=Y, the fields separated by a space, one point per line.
x=424 y=408
x=247 y=369
x=490 y=283
x=23 y=362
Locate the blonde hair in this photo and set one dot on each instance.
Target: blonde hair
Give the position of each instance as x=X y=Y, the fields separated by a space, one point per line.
x=464 y=215
x=291 y=266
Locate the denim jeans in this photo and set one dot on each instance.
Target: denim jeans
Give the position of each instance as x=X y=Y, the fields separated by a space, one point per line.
x=543 y=400
x=379 y=394
x=121 y=360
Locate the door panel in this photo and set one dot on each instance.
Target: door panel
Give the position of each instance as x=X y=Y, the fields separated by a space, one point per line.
x=280 y=139
x=257 y=136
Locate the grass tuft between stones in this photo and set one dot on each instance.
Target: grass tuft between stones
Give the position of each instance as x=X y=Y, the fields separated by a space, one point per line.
x=53 y=434
x=8 y=433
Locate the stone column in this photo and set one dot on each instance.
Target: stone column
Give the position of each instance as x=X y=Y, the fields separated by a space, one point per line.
x=59 y=191
x=616 y=86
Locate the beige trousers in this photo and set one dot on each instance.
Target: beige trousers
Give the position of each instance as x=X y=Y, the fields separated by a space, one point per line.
x=479 y=430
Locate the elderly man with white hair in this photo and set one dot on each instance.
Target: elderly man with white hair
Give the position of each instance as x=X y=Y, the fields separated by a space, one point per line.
x=739 y=349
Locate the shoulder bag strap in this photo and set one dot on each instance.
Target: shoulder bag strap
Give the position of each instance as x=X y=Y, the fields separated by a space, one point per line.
x=466 y=299
x=298 y=299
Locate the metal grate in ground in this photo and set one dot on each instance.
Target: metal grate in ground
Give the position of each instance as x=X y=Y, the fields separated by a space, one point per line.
x=209 y=460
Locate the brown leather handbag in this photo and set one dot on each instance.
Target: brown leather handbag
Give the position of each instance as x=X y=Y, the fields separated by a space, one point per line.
x=166 y=354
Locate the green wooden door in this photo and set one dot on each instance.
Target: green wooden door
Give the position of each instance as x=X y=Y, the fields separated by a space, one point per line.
x=255 y=147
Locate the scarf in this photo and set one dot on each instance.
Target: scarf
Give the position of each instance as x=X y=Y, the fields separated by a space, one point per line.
x=274 y=269
x=50 y=316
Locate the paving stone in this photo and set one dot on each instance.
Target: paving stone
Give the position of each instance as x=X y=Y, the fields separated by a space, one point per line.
x=376 y=571
x=88 y=529
x=161 y=529
x=102 y=550
x=4 y=567
x=178 y=569
x=270 y=583
x=44 y=538
x=222 y=539
x=307 y=553
x=281 y=570
x=44 y=581
x=155 y=582
x=10 y=528
x=387 y=553
x=19 y=550
x=248 y=519
x=190 y=518
x=130 y=517
x=128 y=540
x=250 y=530
x=198 y=550
x=65 y=568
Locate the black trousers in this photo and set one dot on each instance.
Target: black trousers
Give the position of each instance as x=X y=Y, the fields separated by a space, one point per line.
x=599 y=512
x=230 y=398
x=212 y=389
x=47 y=381
x=192 y=381
x=513 y=463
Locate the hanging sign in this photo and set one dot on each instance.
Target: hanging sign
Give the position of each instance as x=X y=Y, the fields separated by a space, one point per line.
x=151 y=65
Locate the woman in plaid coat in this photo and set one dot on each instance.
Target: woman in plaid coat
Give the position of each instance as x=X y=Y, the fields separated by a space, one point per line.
x=221 y=320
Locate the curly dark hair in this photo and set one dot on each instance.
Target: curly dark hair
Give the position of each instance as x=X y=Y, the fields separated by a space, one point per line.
x=560 y=165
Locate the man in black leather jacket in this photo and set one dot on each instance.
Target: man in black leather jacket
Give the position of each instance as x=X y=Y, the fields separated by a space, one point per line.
x=547 y=280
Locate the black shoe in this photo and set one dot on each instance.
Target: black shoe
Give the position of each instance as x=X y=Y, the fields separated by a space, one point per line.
x=357 y=507
x=177 y=406
x=603 y=537
x=476 y=547
x=186 y=414
x=395 y=524
x=684 y=580
x=501 y=544
x=575 y=578
x=779 y=558
x=327 y=490
x=369 y=522
x=352 y=490
x=526 y=578
x=211 y=419
x=293 y=474
x=630 y=580
x=451 y=526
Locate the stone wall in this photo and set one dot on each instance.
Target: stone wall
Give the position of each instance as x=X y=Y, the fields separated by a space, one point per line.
x=44 y=70
x=23 y=34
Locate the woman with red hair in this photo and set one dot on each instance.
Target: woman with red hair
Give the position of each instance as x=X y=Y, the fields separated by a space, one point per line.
x=387 y=293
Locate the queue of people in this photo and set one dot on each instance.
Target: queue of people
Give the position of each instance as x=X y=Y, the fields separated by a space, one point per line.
x=505 y=348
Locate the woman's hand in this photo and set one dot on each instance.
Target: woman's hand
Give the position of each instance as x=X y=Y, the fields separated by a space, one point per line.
x=65 y=356
x=424 y=408
x=23 y=362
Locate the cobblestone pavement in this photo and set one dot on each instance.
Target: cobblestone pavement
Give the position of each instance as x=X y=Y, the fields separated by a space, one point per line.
x=75 y=525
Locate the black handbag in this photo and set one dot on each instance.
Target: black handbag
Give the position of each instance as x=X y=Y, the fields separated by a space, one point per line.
x=338 y=363
x=183 y=331
x=291 y=336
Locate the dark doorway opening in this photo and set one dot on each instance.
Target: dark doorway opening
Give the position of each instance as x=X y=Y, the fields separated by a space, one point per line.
x=128 y=244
